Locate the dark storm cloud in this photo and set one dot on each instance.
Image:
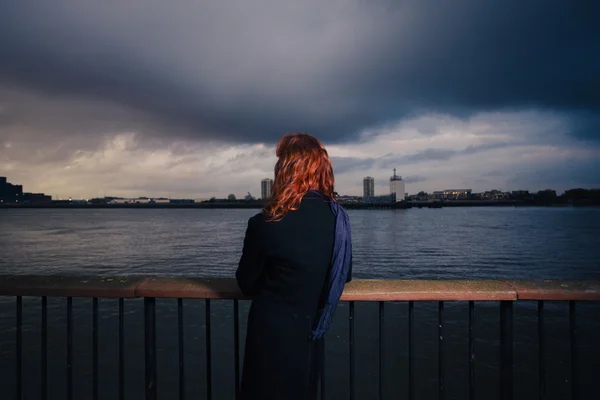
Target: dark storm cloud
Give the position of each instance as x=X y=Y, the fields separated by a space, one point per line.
x=343 y=165
x=416 y=179
x=438 y=154
x=424 y=155
x=492 y=173
x=250 y=71
x=585 y=125
x=576 y=173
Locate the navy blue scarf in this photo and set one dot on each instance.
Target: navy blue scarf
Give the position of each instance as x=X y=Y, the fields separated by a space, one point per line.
x=338 y=272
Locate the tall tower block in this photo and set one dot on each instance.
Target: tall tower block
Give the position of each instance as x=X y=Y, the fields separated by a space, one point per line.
x=397 y=186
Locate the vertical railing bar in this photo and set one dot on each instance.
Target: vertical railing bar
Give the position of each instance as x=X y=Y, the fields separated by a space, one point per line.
x=411 y=351
x=471 y=351
x=181 y=349
x=351 y=347
x=121 y=349
x=208 y=352
x=69 y=348
x=19 y=357
x=322 y=378
x=150 y=346
x=381 y=346
x=44 y=347
x=236 y=346
x=541 y=351
x=440 y=351
x=574 y=361
x=95 y=348
x=506 y=350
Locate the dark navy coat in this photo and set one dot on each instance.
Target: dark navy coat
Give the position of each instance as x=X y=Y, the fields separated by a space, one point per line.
x=284 y=266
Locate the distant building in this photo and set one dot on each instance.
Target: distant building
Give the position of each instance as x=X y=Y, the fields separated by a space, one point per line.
x=546 y=196
x=382 y=199
x=521 y=194
x=10 y=193
x=368 y=187
x=181 y=201
x=137 y=200
x=397 y=186
x=494 y=195
x=162 y=200
x=548 y=192
x=36 y=198
x=349 y=199
x=452 y=194
x=266 y=186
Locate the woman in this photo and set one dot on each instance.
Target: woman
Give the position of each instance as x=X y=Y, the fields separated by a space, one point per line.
x=295 y=262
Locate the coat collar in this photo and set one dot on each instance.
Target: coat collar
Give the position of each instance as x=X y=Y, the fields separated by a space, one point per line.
x=312 y=194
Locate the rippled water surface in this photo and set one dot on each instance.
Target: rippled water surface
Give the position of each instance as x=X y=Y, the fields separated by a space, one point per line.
x=449 y=243
x=418 y=243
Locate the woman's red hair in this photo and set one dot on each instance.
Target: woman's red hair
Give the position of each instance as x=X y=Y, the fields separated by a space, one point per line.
x=303 y=165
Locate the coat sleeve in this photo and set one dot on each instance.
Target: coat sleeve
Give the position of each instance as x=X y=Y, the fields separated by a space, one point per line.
x=251 y=266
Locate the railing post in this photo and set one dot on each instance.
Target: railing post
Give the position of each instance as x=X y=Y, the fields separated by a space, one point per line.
x=471 y=351
x=322 y=368
x=351 y=347
x=95 y=348
x=381 y=352
x=44 y=348
x=236 y=346
x=506 y=350
x=208 y=351
x=19 y=360
x=181 y=349
x=541 y=351
x=574 y=362
x=440 y=350
x=411 y=350
x=121 y=349
x=150 y=346
x=69 y=348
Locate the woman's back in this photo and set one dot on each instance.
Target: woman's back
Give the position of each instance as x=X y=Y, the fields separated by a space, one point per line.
x=285 y=268
x=297 y=254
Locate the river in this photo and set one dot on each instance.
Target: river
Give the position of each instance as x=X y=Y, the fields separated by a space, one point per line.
x=449 y=243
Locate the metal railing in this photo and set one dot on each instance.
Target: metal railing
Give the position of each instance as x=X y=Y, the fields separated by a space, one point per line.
x=380 y=291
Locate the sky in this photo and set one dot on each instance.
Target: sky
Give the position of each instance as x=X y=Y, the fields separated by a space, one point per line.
x=187 y=99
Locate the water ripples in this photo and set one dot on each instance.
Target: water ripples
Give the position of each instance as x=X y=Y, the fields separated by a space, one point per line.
x=535 y=243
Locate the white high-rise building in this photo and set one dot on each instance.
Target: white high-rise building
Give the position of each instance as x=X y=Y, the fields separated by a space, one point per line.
x=397 y=186
x=368 y=187
x=266 y=186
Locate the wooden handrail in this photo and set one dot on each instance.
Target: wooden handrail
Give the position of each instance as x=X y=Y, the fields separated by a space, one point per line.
x=357 y=290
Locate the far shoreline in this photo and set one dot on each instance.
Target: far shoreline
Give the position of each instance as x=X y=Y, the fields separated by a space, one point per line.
x=259 y=205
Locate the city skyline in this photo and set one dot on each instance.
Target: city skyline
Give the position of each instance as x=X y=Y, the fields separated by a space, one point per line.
x=12 y=191
x=95 y=101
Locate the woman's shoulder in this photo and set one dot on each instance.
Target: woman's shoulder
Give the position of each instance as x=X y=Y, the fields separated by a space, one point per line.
x=257 y=219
